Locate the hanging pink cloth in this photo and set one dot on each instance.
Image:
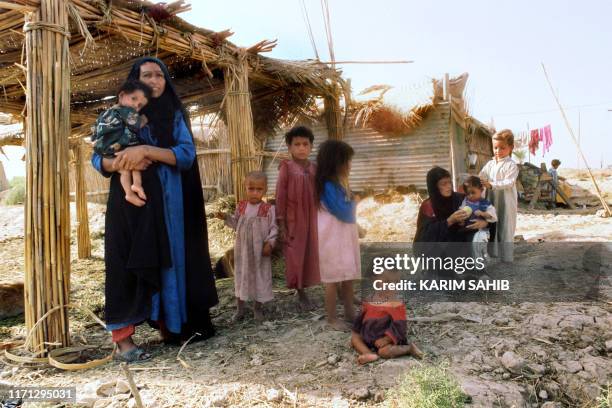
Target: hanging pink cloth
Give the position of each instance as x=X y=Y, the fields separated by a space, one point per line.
x=534 y=141
x=546 y=136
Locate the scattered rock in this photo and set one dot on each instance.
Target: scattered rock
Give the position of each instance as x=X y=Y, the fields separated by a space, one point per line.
x=513 y=362
x=361 y=393
x=256 y=360
x=499 y=370
x=333 y=359
x=501 y=321
x=551 y=404
x=536 y=369
x=6 y=374
x=106 y=389
x=103 y=403
x=379 y=396
x=122 y=387
x=573 y=367
x=218 y=399
x=609 y=345
x=543 y=394
x=506 y=376
x=274 y=395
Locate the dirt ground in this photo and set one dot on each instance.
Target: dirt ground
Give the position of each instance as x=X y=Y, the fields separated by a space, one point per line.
x=504 y=355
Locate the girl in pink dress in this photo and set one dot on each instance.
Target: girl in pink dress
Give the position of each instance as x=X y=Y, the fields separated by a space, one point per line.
x=339 y=257
x=296 y=213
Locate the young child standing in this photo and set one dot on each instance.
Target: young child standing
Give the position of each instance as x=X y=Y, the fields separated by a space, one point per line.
x=481 y=208
x=117 y=128
x=256 y=231
x=499 y=177
x=380 y=328
x=296 y=211
x=339 y=258
x=555 y=163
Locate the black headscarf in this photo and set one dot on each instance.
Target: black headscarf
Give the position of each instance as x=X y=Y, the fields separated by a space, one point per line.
x=200 y=281
x=160 y=111
x=443 y=206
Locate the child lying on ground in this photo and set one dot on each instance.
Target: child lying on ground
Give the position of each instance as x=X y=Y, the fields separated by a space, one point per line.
x=380 y=328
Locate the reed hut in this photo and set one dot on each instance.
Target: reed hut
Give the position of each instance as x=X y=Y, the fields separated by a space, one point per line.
x=395 y=148
x=60 y=64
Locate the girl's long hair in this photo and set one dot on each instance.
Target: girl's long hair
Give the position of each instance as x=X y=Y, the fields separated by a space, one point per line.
x=332 y=164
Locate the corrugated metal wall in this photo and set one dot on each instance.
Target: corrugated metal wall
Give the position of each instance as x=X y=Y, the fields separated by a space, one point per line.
x=383 y=161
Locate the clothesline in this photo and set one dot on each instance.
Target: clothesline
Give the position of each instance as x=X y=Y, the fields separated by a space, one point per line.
x=533 y=137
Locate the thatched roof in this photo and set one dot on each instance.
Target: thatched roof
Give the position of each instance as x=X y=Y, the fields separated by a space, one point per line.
x=108 y=36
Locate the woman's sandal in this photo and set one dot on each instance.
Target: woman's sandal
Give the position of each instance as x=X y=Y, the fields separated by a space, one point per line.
x=135 y=355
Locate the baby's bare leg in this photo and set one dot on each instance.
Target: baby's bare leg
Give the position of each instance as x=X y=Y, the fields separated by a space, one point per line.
x=365 y=354
x=137 y=184
x=126 y=183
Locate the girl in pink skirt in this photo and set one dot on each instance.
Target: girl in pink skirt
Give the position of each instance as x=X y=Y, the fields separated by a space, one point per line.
x=339 y=258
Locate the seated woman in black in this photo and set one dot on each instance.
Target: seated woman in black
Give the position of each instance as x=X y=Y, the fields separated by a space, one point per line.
x=441 y=220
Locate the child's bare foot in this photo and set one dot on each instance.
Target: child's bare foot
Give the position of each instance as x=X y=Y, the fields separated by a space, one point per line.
x=239 y=315
x=258 y=312
x=367 y=358
x=415 y=352
x=134 y=200
x=304 y=304
x=338 y=325
x=394 y=351
x=139 y=191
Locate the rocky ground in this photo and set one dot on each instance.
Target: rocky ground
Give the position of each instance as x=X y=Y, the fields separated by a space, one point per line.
x=504 y=355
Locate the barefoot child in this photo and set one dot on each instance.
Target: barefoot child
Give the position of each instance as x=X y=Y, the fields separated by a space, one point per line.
x=117 y=128
x=256 y=232
x=499 y=177
x=339 y=258
x=480 y=208
x=380 y=328
x=296 y=211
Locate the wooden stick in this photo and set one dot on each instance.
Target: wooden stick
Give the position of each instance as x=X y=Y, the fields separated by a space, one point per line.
x=571 y=131
x=132 y=385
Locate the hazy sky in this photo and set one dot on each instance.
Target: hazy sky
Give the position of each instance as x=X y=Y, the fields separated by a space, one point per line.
x=500 y=43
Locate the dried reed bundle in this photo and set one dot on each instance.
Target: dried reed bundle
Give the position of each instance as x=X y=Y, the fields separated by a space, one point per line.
x=47 y=241
x=239 y=117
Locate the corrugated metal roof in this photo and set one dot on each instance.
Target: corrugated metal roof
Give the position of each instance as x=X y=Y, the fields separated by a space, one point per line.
x=383 y=161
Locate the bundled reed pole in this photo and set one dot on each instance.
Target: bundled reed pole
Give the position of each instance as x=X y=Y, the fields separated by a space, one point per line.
x=47 y=241
x=333 y=115
x=83 y=240
x=239 y=117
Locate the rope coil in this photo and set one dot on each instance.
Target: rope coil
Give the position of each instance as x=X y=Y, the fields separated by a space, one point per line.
x=41 y=25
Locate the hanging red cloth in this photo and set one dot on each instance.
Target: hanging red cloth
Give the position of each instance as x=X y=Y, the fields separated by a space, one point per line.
x=546 y=137
x=534 y=141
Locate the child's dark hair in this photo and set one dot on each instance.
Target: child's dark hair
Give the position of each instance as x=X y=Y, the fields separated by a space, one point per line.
x=333 y=156
x=299 y=131
x=129 y=87
x=472 y=181
x=555 y=162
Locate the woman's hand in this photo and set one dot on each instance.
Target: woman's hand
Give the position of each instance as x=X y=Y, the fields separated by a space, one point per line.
x=382 y=342
x=457 y=217
x=477 y=225
x=132 y=158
